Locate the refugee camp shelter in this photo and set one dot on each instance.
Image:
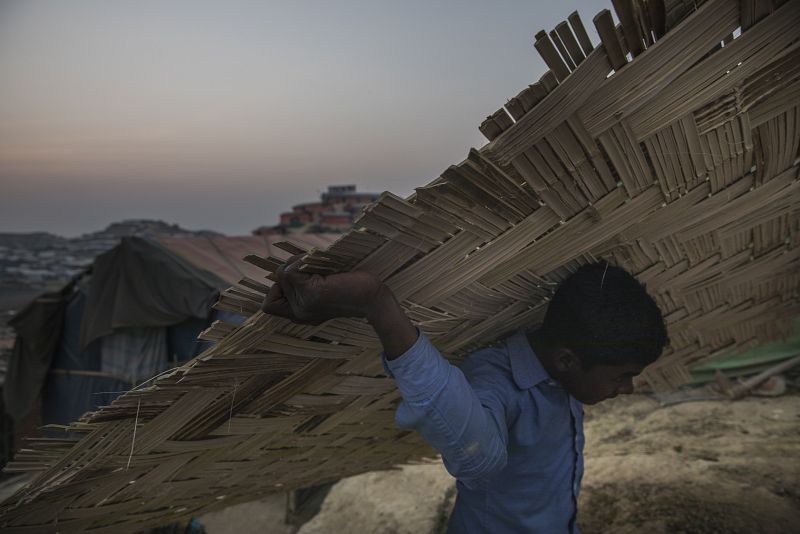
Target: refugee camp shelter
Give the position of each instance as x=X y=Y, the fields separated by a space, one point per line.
x=670 y=148
x=134 y=313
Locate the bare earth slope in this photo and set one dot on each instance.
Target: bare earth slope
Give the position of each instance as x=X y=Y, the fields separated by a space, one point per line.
x=696 y=467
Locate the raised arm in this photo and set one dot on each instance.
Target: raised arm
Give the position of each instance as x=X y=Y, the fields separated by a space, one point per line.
x=466 y=423
x=314 y=299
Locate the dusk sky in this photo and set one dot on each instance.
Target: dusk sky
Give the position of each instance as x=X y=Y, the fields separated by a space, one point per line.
x=220 y=115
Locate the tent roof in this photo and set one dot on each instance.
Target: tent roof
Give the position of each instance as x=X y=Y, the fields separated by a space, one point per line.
x=162 y=281
x=223 y=255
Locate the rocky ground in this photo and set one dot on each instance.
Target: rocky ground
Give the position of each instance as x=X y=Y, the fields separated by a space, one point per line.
x=699 y=467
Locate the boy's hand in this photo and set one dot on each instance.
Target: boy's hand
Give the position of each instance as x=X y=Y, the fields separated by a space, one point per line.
x=314 y=299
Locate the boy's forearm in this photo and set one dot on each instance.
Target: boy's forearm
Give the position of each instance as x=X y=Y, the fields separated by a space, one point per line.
x=390 y=322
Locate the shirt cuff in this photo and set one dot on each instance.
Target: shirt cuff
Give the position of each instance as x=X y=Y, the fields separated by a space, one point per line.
x=420 y=372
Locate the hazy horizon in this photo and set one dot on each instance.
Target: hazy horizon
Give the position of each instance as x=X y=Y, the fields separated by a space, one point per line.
x=219 y=116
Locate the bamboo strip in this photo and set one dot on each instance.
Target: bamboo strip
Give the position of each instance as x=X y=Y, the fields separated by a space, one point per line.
x=551 y=57
x=630 y=28
x=580 y=32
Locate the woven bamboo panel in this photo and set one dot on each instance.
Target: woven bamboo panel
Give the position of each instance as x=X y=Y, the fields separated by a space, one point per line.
x=671 y=149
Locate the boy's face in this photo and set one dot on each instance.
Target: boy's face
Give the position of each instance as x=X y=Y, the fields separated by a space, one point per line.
x=600 y=382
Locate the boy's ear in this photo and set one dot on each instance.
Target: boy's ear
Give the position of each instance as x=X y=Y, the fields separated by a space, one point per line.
x=567 y=361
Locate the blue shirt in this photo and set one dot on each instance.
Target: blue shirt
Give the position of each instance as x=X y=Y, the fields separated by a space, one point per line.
x=511 y=435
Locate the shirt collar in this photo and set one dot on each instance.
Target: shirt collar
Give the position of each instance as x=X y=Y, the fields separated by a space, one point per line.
x=526 y=368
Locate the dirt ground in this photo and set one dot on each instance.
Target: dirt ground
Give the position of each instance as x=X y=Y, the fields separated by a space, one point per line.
x=699 y=467
x=705 y=467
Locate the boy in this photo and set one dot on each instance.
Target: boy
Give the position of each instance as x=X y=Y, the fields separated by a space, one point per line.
x=509 y=422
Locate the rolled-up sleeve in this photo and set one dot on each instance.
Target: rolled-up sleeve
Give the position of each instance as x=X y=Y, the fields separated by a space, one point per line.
x=465 y=423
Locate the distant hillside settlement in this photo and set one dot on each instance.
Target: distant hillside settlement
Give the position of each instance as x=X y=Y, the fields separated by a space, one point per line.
x=334 y=213
x=42 y=259
x=39 y=260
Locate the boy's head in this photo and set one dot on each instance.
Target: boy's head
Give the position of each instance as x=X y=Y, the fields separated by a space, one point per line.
x=604 y=329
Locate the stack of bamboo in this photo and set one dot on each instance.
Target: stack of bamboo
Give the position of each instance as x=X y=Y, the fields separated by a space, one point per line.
x=670 y=149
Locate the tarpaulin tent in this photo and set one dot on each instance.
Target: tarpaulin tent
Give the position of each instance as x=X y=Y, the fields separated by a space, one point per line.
x=755 y=360
x=134 y=313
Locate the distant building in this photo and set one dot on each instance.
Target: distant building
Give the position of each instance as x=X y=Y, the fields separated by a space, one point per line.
x=335 y=212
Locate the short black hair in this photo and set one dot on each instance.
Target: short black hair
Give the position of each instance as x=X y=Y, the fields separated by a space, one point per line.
x=604 y=315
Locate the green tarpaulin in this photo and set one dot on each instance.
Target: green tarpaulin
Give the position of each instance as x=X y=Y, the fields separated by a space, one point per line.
x=755 y=360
